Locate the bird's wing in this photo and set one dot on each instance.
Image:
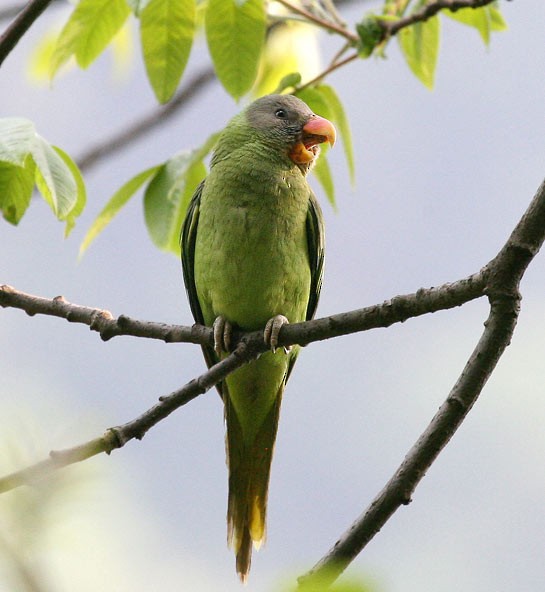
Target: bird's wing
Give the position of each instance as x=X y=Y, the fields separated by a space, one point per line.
x=187 y=242
x=315 y=243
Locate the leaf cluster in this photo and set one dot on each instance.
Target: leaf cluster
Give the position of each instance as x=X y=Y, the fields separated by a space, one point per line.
x=256 y=47
x=27 y=161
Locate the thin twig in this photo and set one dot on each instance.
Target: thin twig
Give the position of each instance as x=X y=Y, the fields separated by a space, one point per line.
x=428 y=11
x=157 y=117
x=117 y=437
x=324 y=24
x=503 y=275
x=99 y=320
x=20 y=25
x=331 y=68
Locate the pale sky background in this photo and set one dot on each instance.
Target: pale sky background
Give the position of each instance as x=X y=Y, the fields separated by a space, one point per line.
x=442 y=178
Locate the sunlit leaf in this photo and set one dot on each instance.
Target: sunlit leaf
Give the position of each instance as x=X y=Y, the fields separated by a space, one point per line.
x=54 y=179
x=167 y=197
x=90 y=28
x=81 y=194
x=167 y=28
x=338 y=116
x=17 y=135
x=39 y=63
x=235 y=32
x=291 y=51
x=112 y=208
x=323 y=174
x=419 y=44
x=485 y=19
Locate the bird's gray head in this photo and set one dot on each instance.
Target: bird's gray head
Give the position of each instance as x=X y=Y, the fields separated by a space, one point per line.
x=285 y=123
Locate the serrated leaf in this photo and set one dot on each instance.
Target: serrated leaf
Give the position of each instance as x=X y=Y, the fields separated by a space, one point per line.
x=16 y=185
x=167 y=28
x=54 y=179
x=338 y=116
x=485 y=19
x=419 y=45
x=114 y=205
x=90 y=28
x=17 y=135
x=81 y=193
x=167 y=197
x=235 y=33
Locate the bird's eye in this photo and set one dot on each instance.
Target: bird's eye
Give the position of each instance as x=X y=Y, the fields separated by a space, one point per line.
x=281 y=113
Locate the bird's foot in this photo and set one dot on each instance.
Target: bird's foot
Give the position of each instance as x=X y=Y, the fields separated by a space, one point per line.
x=223 y=331
x=272 y=331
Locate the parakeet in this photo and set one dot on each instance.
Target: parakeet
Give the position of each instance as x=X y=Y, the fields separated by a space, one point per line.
x=252 y=257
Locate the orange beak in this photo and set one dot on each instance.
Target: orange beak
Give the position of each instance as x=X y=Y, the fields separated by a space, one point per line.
x=316 y=131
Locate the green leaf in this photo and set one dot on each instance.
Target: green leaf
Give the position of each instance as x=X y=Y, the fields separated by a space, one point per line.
x=288 y=81
x=420 y=46
x=167 y=197
x=54 y=179
x=81 y=193
x=485 y=19
x=90 y=28
x=167 y=28
x=112 y=208
x=370 y=33
x=17 y=135
x=323 y=174
x=338 y=116
x=16 y=185
x=497 y=22
x=316 y=100
x=235 y=32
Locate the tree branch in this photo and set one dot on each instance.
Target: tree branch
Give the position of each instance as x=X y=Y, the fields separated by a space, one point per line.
x=20 y=26
x=396 y=310
x=503 y=276
x=154 y=119
x=324 y=24
x=428 y=11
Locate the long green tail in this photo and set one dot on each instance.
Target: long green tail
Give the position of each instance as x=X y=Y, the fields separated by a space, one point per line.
x=249 y=470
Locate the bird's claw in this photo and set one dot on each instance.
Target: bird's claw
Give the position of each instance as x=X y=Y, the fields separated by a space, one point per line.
x=272 y=331
x=223 y=330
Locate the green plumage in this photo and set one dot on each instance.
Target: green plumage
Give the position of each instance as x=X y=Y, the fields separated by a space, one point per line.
x=252 y=249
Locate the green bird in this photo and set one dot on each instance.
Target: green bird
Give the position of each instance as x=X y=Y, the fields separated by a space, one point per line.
x=252 y=256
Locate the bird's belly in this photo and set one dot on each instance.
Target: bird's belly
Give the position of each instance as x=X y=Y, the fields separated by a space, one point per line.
x=251 y=270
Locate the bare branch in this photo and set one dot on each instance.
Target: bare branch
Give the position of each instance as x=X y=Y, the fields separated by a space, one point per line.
x=100 y=320
x=428 y=11
x=396 y=310
x=322 y=23
x=157 y=117
x=503 y=275
x=20 y=26
x=117 y=437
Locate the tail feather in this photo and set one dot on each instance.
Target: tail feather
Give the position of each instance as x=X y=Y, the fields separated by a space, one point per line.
x=249 y=470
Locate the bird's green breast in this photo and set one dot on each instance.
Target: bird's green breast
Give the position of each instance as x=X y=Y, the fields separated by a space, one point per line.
x=251 y=253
